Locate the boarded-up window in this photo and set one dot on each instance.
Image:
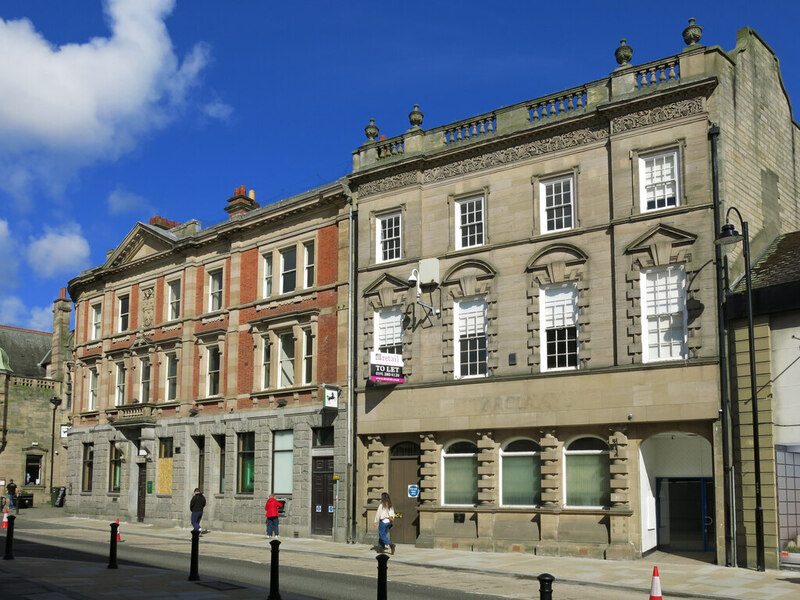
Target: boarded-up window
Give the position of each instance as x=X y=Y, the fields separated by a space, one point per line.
x=164 y=466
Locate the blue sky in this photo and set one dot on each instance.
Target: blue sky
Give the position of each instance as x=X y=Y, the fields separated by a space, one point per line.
x=114 y=111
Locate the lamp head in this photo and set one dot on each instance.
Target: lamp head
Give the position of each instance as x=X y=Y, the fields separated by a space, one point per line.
x=728 y=235
x=55 y=401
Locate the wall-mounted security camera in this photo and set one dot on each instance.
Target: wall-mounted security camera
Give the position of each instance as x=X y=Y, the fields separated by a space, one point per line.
x=413 y=279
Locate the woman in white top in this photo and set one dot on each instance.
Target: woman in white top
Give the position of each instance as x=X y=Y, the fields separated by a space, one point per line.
x=383 y=519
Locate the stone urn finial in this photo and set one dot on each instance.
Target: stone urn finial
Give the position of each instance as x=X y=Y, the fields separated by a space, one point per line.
x=624 y=53
x=692 y=34
x=371 y=130
x=415 y=117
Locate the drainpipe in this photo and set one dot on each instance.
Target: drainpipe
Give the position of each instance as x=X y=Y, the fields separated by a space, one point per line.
x=351 y=412
x=729 y=497
x=6 y=380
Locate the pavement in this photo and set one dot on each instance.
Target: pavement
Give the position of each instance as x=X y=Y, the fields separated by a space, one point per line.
x=57 y=579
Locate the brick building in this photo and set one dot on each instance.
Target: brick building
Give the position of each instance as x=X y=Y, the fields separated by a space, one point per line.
x=546 y=277
x=200 y=357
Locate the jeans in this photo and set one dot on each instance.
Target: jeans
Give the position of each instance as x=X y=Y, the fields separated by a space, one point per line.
x=383 y=534
x=272 y=526
x=11 y=502
x=196 y=516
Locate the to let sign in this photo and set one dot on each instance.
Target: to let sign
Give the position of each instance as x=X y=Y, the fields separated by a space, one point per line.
x=386 y=368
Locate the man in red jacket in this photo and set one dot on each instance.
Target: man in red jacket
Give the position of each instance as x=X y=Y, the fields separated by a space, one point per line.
x=272 y=507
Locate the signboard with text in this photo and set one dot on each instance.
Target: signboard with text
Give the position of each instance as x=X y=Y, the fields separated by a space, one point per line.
x=386 y=368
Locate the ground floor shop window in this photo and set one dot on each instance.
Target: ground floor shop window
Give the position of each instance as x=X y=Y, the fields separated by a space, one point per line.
x=282 y=462
x=220 y=439
x=88 y=467
x=461 y=474
x=164 y=466
x=114 y=467
x=33 y=469
x=521 y=473
x=246 y=463
x=587 y=473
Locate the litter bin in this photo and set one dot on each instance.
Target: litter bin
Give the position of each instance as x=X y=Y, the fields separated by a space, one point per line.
x=24 y=500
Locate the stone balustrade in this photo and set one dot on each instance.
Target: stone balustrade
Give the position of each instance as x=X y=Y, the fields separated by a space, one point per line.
x=656 y=73
x=569 y=101
x=391 y=148
x=482 y=126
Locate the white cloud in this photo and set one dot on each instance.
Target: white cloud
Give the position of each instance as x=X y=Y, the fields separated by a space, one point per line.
x=61 y=251
x=9 y=263
x=218 y=110
x=65 y=107
x=40 y=318
x=121 y=201
x=12 y=310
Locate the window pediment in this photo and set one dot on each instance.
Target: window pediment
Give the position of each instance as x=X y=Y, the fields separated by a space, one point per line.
x=557 y=264
x=662 y=245
x=469 y=278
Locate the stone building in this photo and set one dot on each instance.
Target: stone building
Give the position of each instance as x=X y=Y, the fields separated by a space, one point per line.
x=538 y=300
x=35 y=399
x=200 y=360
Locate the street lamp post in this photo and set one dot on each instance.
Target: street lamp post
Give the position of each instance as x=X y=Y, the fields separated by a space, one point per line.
x=729 y=235
x=56 y=402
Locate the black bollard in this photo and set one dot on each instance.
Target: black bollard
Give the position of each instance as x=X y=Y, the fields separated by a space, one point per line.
x=546 y=586
x=274 y=578
x=112 y=548
x=9 y=555
x=193 y=574
x=382 y=562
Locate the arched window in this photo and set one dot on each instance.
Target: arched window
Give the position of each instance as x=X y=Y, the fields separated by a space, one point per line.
x=587 y=479
x=460 y=466
x=521 y=473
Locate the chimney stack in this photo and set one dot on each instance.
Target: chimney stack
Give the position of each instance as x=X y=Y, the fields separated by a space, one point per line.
x=241 y=202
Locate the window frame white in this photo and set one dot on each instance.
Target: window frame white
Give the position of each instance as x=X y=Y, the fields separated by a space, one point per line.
x=283 y=472
x=459 y=313
x=97 y=321
x=307 y=363
x=445 y=455
x=266 y=362
x=647 y=316
x=460 y=227
x=566 y=452
x=387 y=327
x=216 y=295
x=286 y=360
x=123 y=317
x=284 y=272
x=388 y=245
x=549 y=303
x=267 y=279
x=543 y=199
x=94 y=381
x=643 y=179
x=309 y=264
x=173 y=299
x=505 y=454
x=213 y=376
x=145 y=368
x=171 y=391
x=119 y=385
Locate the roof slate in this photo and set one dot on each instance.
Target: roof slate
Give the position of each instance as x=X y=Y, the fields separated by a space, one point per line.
x=26 y=349
x=779 y=264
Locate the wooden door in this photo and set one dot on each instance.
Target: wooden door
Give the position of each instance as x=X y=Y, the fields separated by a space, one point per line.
x=403 y=472
x=141 y=492
x=322 y=495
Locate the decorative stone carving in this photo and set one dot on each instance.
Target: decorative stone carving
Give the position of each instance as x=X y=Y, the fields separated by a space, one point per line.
x=624 y=53
x=675 y=110
x=148 y=307
x=692 y=34
x=415 y=117
x=515 y=153
x=371 y=130
x=387 y=183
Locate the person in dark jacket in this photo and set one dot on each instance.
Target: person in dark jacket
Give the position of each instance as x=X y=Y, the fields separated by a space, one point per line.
x=197 y=504
x=11 y=490
x=272 y=506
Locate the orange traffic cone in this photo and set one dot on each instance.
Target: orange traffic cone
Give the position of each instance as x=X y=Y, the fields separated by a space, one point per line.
x=119 y=539
x=655 y=587
x=5 y=520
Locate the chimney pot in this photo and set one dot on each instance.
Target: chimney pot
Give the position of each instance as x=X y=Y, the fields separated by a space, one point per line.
x=62 y=293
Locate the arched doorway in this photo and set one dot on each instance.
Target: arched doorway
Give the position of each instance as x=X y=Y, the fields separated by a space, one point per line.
x=677 y=493
x=404 y=472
